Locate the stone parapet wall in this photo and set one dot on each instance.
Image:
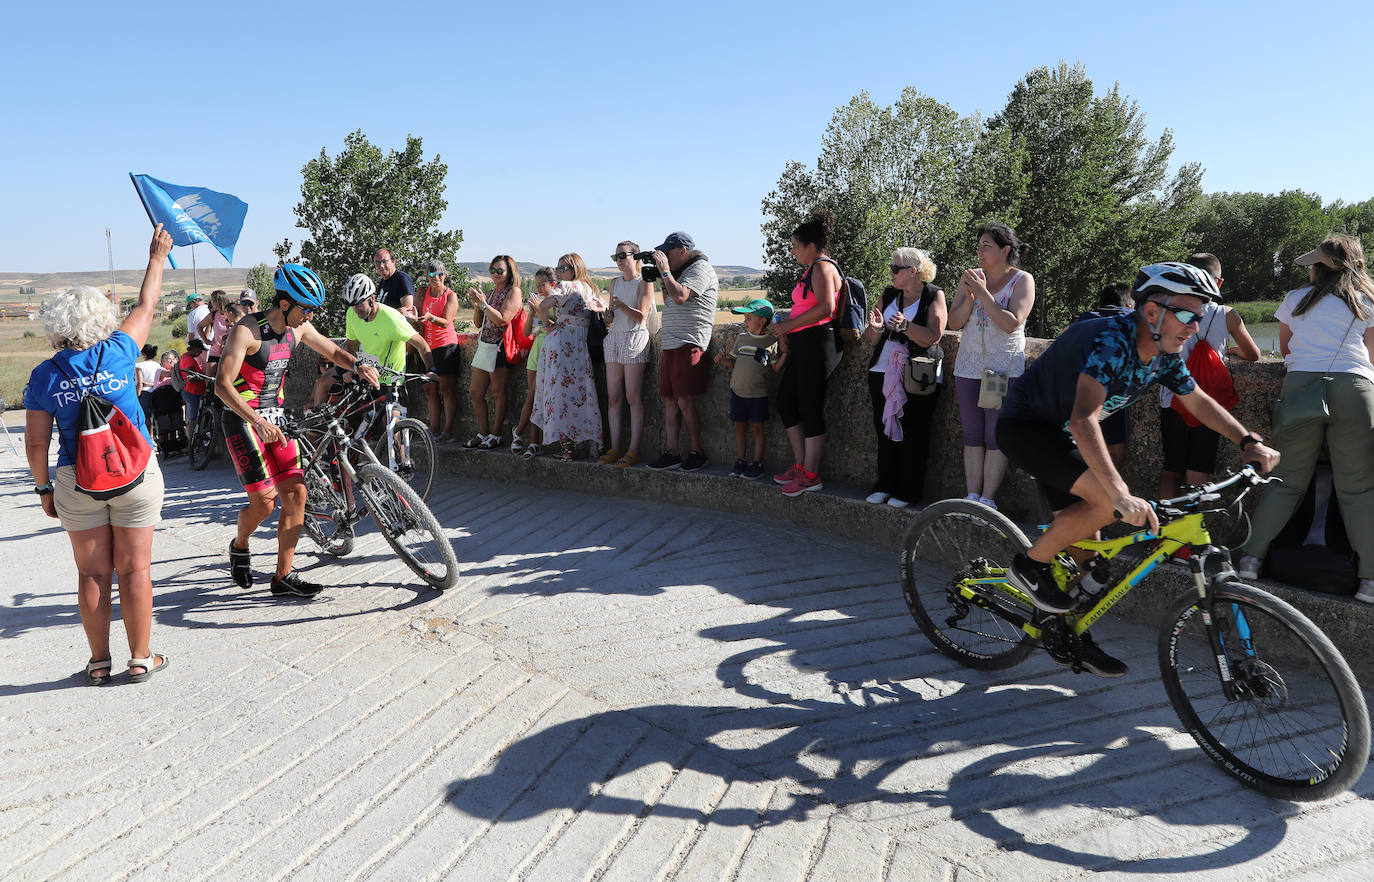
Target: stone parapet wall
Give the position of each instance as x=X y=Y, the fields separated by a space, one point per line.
x=850 y=450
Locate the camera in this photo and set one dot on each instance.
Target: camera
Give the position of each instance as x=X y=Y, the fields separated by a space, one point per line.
x=647 y=268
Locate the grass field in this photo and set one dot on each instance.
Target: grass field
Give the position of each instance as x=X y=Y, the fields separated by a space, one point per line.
x=19 y=355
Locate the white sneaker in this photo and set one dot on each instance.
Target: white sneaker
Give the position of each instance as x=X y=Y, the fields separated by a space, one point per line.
x=898 y=503
x=989 y=502
x=1366 y=592
x=877 y=498
x=1250 y=566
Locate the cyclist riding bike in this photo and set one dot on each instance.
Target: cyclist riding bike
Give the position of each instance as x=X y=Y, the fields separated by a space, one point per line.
x=1049 y=425
x=250 y=383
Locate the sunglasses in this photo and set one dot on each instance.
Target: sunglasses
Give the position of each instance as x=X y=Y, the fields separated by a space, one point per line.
x=621 y=255
x=564 y=268
x=896 y=269
x=497 y=272
x=1185 y=316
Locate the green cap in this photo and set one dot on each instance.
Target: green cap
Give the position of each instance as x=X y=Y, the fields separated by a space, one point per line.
x=757 y=306
x=192 y=298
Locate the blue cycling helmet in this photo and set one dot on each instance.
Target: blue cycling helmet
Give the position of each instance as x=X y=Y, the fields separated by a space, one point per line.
x=300 y=284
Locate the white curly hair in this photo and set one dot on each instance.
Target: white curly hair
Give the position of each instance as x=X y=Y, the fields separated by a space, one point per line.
x=917 y=260
x=78 y=318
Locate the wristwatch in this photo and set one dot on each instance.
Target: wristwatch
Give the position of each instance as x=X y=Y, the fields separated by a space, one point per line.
x=43 y=489
x=1249 y=439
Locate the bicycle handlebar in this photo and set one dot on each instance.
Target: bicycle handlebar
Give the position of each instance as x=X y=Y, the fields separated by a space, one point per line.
x=1189 y=503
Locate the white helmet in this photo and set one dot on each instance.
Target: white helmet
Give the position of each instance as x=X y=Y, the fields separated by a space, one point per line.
x=1175 y=278
x=358 y=288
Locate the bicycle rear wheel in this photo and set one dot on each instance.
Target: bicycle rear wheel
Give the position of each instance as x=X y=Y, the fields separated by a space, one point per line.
x=408 y=525
x=415 y=453
x=205 y=436
x=938 y=551
x=326 y=510
x=1298 y=727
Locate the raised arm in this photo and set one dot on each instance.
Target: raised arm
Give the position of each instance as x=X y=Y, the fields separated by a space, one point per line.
x=140 y=319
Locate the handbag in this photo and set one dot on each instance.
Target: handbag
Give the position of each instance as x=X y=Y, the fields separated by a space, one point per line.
x=921 y=376
x=514 y=341
x=1295 y=413
x=484 y=359
x=993 y=387
x=1211 y=375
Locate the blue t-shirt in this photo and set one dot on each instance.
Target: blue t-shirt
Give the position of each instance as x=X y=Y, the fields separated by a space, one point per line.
x=1104 y=349
x=56 y=392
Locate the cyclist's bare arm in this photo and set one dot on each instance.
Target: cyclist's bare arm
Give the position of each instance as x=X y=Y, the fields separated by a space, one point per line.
x=1086 y=428
x=244 y=340
x=344 y=358
x=1210 y=414
x=418 y=343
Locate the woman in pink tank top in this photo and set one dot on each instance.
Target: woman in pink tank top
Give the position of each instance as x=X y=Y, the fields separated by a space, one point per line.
x=438 y=309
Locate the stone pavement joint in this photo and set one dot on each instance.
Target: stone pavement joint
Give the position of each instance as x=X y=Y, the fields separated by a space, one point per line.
x=616 y=690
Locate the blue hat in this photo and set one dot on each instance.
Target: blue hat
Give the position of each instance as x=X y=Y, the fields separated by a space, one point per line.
x=757 y=306
x=676 y=240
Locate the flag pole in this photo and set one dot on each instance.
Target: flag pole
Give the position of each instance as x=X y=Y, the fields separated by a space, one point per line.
x=195 y=284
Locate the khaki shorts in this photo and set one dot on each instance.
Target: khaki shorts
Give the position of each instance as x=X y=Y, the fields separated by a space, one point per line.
x=140 y=507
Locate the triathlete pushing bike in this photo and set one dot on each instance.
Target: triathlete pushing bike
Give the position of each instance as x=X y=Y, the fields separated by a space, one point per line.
x=251 y=374
x=1049 y=423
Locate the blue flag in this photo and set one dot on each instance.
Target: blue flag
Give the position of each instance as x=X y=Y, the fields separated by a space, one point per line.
x=193 y=214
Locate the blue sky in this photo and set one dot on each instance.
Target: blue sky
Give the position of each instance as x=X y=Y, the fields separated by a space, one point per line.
x=567 y=127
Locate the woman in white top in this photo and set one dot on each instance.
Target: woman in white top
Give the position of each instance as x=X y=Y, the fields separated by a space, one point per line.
x=145 y=375
x=910 y=318
x=627 y=353
x=990 y=304
x=1326 y=334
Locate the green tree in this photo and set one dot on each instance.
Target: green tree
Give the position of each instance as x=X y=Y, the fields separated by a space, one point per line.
x=1097 y=201
x=906 y=174
x=364 y=199
x=259 y=278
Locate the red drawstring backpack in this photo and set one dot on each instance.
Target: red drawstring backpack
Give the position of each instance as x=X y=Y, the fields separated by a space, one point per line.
x=111 y=451
x=1211 y=376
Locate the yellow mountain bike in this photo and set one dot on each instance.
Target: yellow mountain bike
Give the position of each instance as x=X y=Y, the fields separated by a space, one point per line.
x=1259 y=687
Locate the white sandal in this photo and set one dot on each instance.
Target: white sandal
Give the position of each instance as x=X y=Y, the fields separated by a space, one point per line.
x=516 y=443
x=147 y=665
x=531 y=451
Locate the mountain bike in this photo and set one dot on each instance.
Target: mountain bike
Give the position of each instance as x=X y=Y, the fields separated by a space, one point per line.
x=207 y=436
x=1261 y=689
x=378 y=416
x=345 y=483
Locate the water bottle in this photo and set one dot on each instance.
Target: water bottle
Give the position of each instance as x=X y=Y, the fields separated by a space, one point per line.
x=1096 y=580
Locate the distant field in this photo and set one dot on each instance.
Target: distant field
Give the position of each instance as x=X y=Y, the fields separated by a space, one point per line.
x=19 y=355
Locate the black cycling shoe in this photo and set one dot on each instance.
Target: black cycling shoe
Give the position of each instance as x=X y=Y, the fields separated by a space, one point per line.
x=240 y=566
x=1096 y=661
x=1034 y=578
x=292 y=585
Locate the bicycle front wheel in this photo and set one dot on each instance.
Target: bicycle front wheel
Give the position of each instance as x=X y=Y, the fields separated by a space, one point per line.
x=1297 y=726
x=204 y=437
x=408 y=525
x=413 y=451
x=942 y=549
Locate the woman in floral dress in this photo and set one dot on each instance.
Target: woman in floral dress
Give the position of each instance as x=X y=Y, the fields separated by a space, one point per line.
x=565 y=403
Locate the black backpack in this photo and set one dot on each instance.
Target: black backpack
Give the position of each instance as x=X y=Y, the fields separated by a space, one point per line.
x=851 y=306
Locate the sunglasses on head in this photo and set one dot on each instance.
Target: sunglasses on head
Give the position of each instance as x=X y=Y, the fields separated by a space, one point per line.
x=1185 y=316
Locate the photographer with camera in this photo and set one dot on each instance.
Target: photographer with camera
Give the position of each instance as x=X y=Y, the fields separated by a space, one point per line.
x=690 y=291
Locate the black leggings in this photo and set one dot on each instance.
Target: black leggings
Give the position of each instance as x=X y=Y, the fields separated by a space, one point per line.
x=801 y=391
x=902 y=464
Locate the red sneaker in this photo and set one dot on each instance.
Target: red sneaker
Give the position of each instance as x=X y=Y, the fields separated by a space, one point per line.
x=794 y=471
x=803 y=483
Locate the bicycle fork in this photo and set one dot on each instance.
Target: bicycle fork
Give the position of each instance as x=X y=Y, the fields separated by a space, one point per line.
x=1216 y=624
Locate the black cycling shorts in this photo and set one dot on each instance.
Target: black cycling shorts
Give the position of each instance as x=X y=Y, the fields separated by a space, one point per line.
x=1047 y=453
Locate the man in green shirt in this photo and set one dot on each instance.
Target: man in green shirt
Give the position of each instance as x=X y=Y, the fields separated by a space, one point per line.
x=379 y=330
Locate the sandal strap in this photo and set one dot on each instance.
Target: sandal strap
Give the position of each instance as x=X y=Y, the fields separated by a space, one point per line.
x=146 y=663
x=100 y=663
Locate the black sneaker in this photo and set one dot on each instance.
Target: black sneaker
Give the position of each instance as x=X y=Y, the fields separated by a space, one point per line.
x=738 y=470
x=1095 y=661
x=666 y=461
x=752 y=471
x=1034 y=578
x=695 y=460
x=240 y=566
x=292 y=585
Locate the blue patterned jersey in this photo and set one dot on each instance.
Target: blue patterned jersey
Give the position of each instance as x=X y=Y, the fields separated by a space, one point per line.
x=1105 y=350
